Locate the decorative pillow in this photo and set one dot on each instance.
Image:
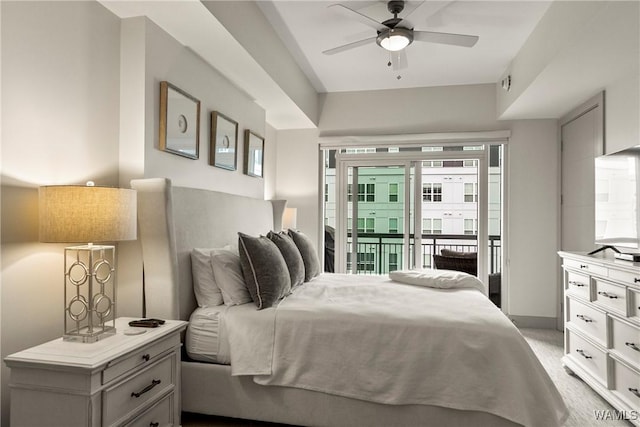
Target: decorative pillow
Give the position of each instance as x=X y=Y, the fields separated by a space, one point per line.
x=228 y=274
x=204 y=284
x=291 y=256
x=265 y=272
x=308 y=252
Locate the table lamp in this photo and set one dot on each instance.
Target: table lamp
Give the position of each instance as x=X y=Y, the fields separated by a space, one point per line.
x=83 y=214
x=290 y=218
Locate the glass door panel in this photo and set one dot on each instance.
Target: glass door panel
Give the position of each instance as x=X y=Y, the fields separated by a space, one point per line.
x=376 y=198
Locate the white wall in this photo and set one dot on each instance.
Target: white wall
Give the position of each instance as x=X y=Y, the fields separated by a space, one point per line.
x=166 y=59
x=297 y=177
x=60 y=115
x=622 y=114
x=433 y=109
x=532 y=180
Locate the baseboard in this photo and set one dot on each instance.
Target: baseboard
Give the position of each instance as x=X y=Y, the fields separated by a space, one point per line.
x=534 y=322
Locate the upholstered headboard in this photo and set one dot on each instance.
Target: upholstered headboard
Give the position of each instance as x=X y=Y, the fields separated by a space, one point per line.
x=174 y=220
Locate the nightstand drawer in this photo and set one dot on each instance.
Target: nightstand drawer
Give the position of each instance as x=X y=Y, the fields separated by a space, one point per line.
x=160 y=414
x=121 y=400
x=587 y=355
x=627 y=384
x=578 y=284
x=589 y=320
x=586 y=267
x=626 y=341
x=146 y=355
x=612 y=296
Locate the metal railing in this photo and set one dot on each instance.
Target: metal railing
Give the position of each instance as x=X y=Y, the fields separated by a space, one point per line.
x=380 y=253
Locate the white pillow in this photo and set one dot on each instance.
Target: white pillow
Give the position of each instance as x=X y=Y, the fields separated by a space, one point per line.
x=204 y=284
x=228 y=274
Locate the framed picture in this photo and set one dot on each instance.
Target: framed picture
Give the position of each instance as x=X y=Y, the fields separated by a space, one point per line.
x=179 y=122
x=224 y=141
x=254 y=154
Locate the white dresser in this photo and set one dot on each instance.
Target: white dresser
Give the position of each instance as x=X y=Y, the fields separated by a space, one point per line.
x=602 y=327
x=131 y=380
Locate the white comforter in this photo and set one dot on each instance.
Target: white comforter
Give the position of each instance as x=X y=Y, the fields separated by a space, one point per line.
x=374 y=339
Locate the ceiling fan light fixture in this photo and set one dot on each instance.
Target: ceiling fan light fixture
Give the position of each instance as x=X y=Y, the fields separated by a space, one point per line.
x=395 y=39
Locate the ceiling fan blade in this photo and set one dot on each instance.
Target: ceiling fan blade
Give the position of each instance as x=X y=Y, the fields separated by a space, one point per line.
x=423 y=11
x=399 y=60
x=352 y=14
x=349 y=46
x=445 y=38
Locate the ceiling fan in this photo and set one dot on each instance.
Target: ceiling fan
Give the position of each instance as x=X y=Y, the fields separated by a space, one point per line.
x=396 y=33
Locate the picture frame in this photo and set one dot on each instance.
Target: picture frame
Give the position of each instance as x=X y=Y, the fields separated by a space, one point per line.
x=253 y=154
x=179 y=122
x=223 y=150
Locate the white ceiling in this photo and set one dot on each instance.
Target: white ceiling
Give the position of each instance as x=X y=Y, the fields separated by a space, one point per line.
x=309 y=27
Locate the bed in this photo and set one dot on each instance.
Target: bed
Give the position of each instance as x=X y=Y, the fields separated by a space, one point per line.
x=490 y=378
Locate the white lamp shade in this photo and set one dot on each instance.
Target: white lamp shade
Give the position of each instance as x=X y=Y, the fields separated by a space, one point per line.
x=86 y=214
x=395 y=43
x=290 y=218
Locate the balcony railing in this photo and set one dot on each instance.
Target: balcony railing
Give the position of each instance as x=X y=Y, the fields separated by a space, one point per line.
x=380 y=253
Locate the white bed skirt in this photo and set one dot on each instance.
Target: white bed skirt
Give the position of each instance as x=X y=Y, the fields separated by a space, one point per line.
x=210 y=389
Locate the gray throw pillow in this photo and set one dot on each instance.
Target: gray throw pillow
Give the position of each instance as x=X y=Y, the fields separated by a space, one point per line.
x=291 y=256
x=308 y=252
x=264 y=269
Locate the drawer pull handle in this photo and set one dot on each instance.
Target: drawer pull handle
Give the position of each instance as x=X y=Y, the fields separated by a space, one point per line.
x=146 y=357
x=584 y=318
x=632 y=345
x=584 y=266
x=152 y=424
x=604 y=294
x=583 y=354
x=634 y=391
x=146 y=389
x=578 y=284
x=636 y=279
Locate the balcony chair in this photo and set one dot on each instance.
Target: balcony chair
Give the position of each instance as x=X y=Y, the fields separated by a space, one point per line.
x=467 y=262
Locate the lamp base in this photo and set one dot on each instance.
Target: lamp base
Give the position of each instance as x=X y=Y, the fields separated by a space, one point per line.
x=83 y=335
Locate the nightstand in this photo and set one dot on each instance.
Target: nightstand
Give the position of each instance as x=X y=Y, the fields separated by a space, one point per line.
x=131 y=380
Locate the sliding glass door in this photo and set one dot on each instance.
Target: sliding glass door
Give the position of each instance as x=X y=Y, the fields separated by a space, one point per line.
x=394 y=208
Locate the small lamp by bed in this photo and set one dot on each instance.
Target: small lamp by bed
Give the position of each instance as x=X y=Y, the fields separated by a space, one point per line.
x=290 y=218
x=82 y=214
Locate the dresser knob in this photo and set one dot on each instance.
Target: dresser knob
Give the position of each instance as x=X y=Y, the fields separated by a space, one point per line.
x=146 y=357
x=632 y=345
x=152 y=424
x=634 y=391
x=583 y=354
x=584 y=266
x=604 y=294
x=584 y=318
x=636 y=279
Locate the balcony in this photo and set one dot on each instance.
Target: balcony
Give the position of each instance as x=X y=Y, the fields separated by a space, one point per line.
x=380 y=253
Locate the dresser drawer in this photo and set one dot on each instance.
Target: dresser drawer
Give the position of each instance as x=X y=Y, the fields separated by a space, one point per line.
x=586 y=267
x=634 y=305
x=126 y=397
x=626 y=277
x=587 y=355
x=626 y=341
x=146 y=355
x=159 y=415
x=578 y=284
x=611 y=296
x=626 y=384
x=588 y=319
